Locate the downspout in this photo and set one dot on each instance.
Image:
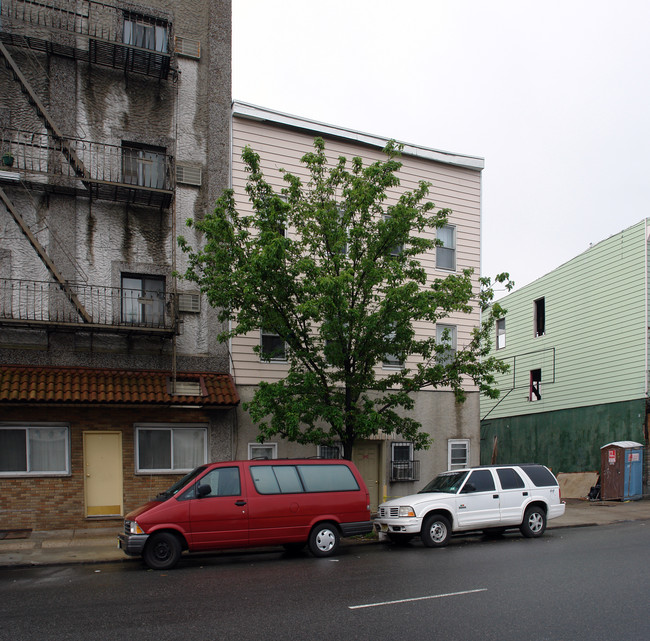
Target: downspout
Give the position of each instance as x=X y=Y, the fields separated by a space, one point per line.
x=645 y=293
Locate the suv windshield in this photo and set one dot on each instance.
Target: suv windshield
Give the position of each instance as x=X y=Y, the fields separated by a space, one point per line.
x=180 y=484
x=449 y=482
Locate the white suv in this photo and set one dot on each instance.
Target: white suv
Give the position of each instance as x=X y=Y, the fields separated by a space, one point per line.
x=490 y=498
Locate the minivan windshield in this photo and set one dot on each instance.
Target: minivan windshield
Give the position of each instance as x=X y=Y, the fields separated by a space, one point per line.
x=180 y=484
x=449 y=483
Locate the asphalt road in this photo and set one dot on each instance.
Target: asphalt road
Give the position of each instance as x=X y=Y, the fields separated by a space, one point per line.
x=572 y=584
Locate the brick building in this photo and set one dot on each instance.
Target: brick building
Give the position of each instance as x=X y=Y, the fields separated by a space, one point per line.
x=112 y=383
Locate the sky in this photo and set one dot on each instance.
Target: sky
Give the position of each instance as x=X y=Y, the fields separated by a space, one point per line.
x=553 y=95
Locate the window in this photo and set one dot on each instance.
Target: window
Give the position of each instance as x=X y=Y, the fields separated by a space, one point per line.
x=291 y=479
x=539 y=317
x=170 y=449
x=273 y=348
x=446 y=337
x=403 y=467
x=540 y=475
x=262 y=450
x=479 y=481
x=509 y=479
x=143 y=300
x=446 y=253
x=457 y=454
x=396 y=250
x=392 y=361
x=144 y=166
x=330 y=451
x=33 y=450
x=223 y=481
x=534 y=393
x=145 y=32
x=276 y=479
x=501 y=333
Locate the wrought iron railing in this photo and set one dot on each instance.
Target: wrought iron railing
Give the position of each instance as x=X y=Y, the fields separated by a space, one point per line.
x=405 y=470
x=42 y=302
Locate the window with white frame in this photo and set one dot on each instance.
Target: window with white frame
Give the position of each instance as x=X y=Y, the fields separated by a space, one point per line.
x=446 y=337
x=446 y=252
x=457 y=454
x=36 y=450
x=392 y=361
x=272 y=347
x=330 y=451
x=403 y=467
x=262 y=450
x=144 y=166
x=145 y=32
x=501 y=333
x=143 y=300
x=166 y=448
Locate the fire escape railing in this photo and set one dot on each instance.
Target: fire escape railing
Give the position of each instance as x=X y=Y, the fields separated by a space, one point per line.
x=111 y=172
x=43 y=303
x=106 y=34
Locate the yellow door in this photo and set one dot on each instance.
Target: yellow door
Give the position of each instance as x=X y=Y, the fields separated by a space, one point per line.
x=103 y=473
x=365 y=455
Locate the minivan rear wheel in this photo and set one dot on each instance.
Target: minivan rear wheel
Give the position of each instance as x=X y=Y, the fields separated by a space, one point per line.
x=162 y=552
x=324 y=539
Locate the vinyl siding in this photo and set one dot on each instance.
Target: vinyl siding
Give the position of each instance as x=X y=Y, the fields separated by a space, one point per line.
x=280 y=147
x=593 y=351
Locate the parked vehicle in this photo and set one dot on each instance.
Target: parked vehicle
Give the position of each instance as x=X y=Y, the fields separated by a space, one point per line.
x=240 y=504
x=489 y=498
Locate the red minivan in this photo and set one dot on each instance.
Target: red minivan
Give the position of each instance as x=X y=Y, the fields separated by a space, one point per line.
x=239 y=504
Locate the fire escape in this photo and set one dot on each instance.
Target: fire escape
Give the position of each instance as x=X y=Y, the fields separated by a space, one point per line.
x=47 y=161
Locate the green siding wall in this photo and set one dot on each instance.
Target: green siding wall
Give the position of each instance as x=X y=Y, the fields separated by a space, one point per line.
x=594 y=347
x=565 y=440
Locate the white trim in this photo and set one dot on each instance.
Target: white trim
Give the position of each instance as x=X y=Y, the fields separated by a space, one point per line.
x=263 y=114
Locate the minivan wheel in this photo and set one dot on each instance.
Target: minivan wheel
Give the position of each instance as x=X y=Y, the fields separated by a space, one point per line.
x=162 y=551
x=324 y=539
x=436 y=531
x=534 y=522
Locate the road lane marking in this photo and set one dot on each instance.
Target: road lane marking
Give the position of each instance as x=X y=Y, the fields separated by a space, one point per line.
x=419 y=598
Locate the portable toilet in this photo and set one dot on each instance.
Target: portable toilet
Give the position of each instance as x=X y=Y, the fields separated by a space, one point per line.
x=621 y=471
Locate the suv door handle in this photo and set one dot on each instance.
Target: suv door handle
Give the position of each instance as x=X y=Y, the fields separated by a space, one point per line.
x=495 y=496
x=525 y=493
x=240 y=502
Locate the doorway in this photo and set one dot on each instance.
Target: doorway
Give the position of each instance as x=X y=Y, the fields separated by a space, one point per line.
x=366 y=456
x=103 y=473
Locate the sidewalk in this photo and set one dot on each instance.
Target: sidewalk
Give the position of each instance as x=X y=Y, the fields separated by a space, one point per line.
x=62 y=547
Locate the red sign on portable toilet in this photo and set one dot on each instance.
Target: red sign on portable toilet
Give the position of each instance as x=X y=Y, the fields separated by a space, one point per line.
x=612 y=457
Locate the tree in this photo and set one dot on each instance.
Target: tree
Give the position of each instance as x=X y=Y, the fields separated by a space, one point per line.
x=335 y=273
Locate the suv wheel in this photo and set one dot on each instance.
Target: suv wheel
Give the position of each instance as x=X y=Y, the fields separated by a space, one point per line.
x=436 y=531
x=534 y=522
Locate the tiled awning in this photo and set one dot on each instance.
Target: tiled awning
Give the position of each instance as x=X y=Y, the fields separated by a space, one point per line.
x=95 y=386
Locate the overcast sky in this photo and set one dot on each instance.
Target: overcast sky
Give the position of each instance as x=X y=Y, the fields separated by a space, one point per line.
x=554 y=95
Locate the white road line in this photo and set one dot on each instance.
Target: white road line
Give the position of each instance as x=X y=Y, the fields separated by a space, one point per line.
x=419 y=598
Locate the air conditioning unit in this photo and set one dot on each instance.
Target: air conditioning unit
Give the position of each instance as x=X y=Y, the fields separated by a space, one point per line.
x=188 y=175
x=187 y=47
x=190 y=303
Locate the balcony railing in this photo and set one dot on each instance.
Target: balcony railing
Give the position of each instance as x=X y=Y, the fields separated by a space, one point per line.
x=115 y=309
x=405 y=470
x=100 y=171
x=105 y=34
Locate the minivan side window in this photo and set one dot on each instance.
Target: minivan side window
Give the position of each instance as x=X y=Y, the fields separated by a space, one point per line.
x=479 y=481
x=288 y=479
x=223 y=481
x=509 y=479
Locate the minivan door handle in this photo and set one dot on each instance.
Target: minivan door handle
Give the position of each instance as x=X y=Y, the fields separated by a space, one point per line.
x=240 y=502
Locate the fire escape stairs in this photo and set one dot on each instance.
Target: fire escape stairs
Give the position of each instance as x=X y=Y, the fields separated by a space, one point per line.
x=76 y=165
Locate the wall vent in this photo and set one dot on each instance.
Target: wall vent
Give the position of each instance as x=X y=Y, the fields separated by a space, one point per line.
x=188 y=175
x=187 y=47
x=189 y=303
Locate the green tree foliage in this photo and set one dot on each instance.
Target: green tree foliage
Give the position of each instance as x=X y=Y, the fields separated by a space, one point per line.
x=343 y=288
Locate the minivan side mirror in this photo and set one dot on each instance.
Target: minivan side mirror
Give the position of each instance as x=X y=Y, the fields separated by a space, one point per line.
x=203 y=490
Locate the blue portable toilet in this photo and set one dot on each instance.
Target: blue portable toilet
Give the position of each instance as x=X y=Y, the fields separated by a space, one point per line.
x=621 y=471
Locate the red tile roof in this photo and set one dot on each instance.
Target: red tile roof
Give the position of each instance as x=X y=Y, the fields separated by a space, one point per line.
x=81 y=385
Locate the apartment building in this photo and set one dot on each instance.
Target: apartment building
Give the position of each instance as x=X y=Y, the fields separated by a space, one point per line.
x=576 y=340
x=114 y=129
x=390 y=467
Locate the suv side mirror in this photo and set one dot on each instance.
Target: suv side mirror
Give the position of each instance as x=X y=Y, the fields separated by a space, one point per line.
x=203 y=490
